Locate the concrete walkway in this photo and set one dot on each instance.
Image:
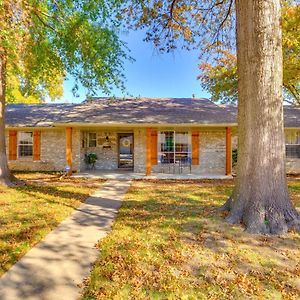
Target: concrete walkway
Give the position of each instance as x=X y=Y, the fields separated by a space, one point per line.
x=56 y=266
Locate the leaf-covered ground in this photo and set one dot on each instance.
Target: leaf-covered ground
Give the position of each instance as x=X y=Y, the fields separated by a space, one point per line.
x=29 y=212
x=169 y=242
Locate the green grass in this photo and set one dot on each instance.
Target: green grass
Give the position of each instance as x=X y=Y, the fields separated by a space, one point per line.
x=169 y=242
x=29 y=212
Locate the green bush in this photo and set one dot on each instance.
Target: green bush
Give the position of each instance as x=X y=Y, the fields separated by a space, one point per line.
x=90 y=158
x=234 y=157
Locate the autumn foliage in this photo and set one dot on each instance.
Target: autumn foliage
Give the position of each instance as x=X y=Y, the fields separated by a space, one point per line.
x=219 y=76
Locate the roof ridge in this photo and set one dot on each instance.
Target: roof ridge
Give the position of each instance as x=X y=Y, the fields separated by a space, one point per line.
x=143 y=98
x=40 y=104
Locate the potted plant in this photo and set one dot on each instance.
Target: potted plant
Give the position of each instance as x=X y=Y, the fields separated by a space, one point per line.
x=90 y=159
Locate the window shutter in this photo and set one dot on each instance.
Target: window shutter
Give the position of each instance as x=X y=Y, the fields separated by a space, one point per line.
x=154 y=147
x=37 y=145
x=12 y=145
x=195 y=148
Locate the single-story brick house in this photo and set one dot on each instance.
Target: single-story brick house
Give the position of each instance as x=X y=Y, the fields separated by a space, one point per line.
x=169 y=135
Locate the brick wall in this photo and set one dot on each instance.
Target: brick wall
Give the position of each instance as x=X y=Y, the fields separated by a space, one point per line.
x=76 y=145
x=107 y=157
x=53 y=152
x=140 y=150
x=212 y=145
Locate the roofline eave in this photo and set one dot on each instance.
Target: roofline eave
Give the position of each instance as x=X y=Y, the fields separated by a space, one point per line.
x=126 y=125
x=136 y=125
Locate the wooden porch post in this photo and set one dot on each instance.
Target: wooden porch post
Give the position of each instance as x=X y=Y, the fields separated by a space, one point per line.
x=228 y=152
x=148 y=151
x=195 y=147
x=69 y=152
x=36 y=145
x=12 y=145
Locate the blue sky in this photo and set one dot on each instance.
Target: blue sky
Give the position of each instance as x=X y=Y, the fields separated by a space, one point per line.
x=153 y=74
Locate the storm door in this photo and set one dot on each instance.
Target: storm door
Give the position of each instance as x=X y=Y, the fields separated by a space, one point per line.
x=125 y=150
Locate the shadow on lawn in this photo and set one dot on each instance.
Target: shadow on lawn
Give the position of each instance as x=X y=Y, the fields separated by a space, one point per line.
x=49 y=190
x=171 y=238
x=196 y=221
x=34 y=278
x=54 y=261
x=218 y=252
x=32 y=220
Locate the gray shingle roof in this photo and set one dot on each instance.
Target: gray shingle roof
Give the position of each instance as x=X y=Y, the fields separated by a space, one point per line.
x=35 y=115
x=291 y=115
x=130 y=111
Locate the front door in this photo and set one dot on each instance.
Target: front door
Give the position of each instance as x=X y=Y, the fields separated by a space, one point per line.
x=125 y=150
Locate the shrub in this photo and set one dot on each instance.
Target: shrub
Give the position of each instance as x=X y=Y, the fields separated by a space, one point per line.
x=90 y=158
x=234 y=157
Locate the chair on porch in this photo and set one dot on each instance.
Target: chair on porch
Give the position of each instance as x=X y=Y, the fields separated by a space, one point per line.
x=185 y=163
x=178 y=166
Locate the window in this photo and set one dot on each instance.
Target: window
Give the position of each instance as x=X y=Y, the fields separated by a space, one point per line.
x=292 y=141
x=25 y=144
x=92 y=139
x=89 y=139
x=174 y=146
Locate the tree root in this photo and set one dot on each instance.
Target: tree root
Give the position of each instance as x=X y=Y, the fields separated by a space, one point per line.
x=233 y=219
x=227 y=205
x=294 y=225
x=11 y=181
x=262 y=219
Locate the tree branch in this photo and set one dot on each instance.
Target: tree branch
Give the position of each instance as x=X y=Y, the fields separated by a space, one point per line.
x=227 y=15
x=172 y=8
x=294 y=92
x=215 y=39
x=44 y=23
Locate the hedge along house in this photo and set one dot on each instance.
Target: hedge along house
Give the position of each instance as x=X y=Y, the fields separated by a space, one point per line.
x=189 y=136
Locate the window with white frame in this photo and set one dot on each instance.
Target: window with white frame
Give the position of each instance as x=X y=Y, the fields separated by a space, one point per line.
x=89 y=139
x=292 y=144
x=25 y=144
x=92 y=139
x=174 y=146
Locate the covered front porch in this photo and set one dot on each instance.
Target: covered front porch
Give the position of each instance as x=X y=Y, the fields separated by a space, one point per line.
x=163 y=152
x=130 y=175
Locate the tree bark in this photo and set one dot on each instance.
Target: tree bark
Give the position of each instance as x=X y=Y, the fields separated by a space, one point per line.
x=260 y=199
x=6 y=178
x=5 y=175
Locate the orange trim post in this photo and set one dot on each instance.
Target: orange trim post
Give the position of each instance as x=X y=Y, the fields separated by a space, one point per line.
x=36 y=145
x=195 y=147
x=69 y=154
x=153 y=147
x=228 y=152
x=12 y=145
x=148 y=151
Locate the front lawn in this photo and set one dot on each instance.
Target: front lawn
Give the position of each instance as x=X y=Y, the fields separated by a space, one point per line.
x=29 y=212
x=169 y=242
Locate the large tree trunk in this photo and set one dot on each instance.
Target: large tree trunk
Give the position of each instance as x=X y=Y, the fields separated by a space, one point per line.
x=260 y=199
x=5 y=176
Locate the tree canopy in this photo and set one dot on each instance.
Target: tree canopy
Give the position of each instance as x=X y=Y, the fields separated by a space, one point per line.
x=43 y=41
x=219 y=77
x=209 y=26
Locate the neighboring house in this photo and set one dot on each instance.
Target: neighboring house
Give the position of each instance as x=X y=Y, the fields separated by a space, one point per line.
x=146 y=135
